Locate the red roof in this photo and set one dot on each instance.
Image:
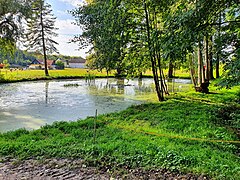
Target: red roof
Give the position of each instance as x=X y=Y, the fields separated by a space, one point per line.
x=49 y=62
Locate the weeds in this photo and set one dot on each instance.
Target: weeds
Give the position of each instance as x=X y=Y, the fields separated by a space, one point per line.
x=71 y=85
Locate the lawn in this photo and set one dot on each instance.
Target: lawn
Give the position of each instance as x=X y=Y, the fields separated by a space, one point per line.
x=190 y=132
x=26 y=75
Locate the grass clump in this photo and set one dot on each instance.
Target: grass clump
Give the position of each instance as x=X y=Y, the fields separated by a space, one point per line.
x=71 y=85
x=183 y=134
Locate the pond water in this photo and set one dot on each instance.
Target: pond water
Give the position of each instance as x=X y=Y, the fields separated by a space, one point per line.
x=31 y=105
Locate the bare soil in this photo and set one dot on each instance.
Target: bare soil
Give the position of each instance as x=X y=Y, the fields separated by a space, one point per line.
x=51 y=169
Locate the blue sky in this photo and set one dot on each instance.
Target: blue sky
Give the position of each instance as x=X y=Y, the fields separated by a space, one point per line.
x=66 y=29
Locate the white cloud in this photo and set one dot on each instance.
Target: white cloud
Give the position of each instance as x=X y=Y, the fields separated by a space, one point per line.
x=67 y=27
x=74 y=3
x=66 y=32
x=70 y=49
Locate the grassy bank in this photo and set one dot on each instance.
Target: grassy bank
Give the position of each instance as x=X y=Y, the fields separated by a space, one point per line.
x=29 y=75
x=191 y=132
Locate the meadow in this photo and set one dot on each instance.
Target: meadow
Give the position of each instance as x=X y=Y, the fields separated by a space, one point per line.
x=67 y=73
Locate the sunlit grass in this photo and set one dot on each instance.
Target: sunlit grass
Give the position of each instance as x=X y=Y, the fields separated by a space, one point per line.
x=24 y=75
x=19 y=75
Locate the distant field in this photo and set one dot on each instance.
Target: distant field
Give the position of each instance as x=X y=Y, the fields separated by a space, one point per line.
x=25 y=75
x=19 y=75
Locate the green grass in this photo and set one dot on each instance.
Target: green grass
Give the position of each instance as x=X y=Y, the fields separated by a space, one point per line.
x=28 y=75
x=153 y=135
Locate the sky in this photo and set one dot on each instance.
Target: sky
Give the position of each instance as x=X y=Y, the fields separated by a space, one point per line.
x=66 y=28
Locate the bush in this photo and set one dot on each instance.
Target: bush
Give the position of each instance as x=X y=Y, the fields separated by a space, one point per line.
x=59 y=64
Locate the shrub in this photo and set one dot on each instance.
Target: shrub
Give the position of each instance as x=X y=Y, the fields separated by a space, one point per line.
x=59 y=64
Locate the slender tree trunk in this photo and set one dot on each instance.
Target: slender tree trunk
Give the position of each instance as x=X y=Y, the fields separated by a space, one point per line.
x=170 y=69
x=211 y=59
x=207 y=69
x=217 y=66
x=192 y=70
x=153 y=62
x=119 y=71
x=218 y=49
x=200 y=64
x=44 y=47
x=163 y=84
x=157 y=50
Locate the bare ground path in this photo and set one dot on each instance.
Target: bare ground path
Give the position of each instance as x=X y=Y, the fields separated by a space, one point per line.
x=51 y=169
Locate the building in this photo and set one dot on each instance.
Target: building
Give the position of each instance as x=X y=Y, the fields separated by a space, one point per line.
x=39 y=64
x=75 y=63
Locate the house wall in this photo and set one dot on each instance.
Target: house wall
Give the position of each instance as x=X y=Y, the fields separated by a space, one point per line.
x=77 y=65
x=34 y=66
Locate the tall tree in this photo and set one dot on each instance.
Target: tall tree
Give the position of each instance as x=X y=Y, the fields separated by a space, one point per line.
x=40 y=31
x=104 y=28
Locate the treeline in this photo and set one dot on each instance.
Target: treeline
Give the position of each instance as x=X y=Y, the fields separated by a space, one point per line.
x=131 y=36
x=24 y=58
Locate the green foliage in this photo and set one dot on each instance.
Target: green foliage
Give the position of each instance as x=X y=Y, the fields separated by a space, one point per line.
x=89 y=76
x=59 y=64
x=6 y=64
x=231 y=74
x=104 y=27
x=11 y=15
x=125 y=37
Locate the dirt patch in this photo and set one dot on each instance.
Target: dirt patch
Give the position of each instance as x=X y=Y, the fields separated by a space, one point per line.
x=49 y=169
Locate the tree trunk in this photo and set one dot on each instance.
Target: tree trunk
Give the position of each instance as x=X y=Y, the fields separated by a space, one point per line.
x=207 y=67
x=211 y=59
x=217 y=66
x=153 y=62
x=119 y=71
x=200 y=64
x=218 y=49
x=170 y=69
x=192 y=70
x=44 y=46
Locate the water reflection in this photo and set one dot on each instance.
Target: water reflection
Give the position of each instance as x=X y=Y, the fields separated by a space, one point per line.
x=178 y=85
x=33 y=104
x=46 y=92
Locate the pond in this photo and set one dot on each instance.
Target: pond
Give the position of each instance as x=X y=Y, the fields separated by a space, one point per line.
x=31 y=105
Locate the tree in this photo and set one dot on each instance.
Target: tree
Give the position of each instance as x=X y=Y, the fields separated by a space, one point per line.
x=104 y=28
x=59 y=64
x=125 y=37
x=11 y=15
x=136 y=35
x=40 y=31
x=213 y=26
